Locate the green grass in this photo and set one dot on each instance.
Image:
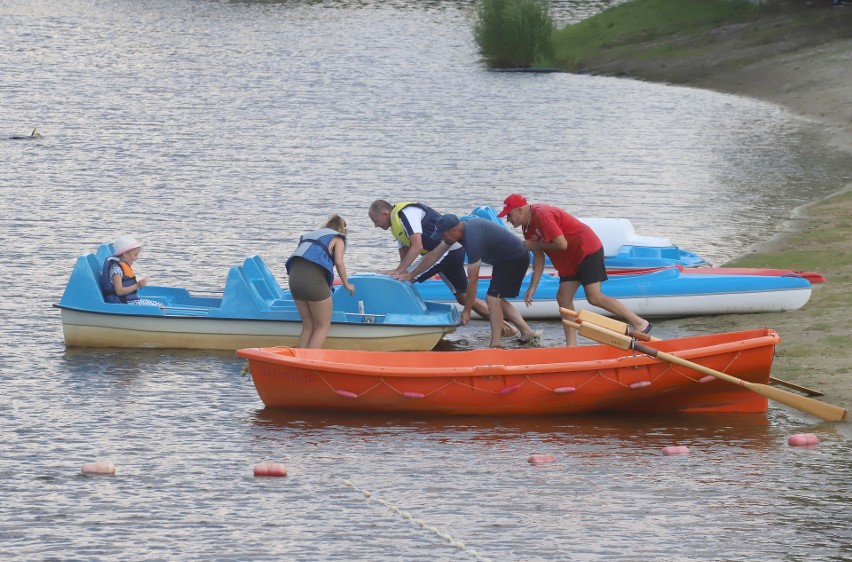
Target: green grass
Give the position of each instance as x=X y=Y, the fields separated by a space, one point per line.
x=621 y=26
x=514 y=33
x=805 y=261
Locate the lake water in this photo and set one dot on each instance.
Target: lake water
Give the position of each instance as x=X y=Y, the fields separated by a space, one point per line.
x=217 y=130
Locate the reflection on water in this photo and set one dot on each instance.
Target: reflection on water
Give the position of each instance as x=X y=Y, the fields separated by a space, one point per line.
x=218 y=130
x=623 y=427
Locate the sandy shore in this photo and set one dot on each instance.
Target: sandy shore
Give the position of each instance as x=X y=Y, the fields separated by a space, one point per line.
x=812 y=80
x=816 y=348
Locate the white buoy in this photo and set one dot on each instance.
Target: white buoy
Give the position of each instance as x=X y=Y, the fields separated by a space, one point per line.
x=270 y=469
x=541 y=459
x=100 y=467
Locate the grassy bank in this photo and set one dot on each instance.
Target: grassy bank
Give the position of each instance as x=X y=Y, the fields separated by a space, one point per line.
x=614 y=33
x=681 y=41
x=815 y=350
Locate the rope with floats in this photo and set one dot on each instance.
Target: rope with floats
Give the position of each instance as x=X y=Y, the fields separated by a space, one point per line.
x=449 y=539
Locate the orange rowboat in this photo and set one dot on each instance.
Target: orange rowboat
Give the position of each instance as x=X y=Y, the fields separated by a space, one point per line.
x=542 y=381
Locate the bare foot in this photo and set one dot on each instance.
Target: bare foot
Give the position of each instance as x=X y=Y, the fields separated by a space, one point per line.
x=645 y=328
x=532 y=336
x=509 y=330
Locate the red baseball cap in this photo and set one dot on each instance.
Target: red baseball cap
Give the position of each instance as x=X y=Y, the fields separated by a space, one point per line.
x=512 y=202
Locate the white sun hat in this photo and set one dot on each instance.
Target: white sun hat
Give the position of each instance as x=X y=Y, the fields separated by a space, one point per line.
x=124 y=244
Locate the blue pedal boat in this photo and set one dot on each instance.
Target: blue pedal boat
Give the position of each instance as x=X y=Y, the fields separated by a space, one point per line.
x=252 y=311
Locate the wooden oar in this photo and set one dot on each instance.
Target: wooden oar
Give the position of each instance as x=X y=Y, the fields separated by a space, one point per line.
x=622 y=328
x=608 y=323
x=810 y=406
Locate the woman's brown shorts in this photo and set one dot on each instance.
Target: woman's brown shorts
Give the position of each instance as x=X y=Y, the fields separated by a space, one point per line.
x=308 y=281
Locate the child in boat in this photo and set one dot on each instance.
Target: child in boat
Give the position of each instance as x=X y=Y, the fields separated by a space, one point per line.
x=119 y=283
x=310 y=269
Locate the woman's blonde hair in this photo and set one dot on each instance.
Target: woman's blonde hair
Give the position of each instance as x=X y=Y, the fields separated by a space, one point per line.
x=336 y=222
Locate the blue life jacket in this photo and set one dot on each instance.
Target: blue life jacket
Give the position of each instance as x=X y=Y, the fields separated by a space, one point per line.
x=127 y=279
x=313 y=247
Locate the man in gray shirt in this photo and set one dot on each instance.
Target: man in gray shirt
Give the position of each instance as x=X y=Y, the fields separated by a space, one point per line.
x=484 y=240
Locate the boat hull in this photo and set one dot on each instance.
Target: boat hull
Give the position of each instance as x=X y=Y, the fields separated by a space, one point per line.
x=812 y=276
x=662 y=293
x=545 y=381
x=89 y=329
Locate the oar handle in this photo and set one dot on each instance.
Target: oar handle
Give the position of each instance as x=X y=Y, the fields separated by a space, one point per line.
x=610 y=323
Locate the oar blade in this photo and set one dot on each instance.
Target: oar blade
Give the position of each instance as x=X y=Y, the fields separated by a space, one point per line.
x=827 y=412
x=800 y=388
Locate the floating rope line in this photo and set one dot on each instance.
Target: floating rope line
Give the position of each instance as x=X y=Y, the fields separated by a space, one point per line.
x=419 y=522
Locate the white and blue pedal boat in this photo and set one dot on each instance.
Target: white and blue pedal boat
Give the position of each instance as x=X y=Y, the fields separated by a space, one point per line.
x=624 y=249
x=663 y=293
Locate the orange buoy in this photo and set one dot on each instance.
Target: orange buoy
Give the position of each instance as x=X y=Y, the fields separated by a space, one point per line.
x=541 y=459
x=676 y=450
x=800 y=439
x=100 y=467
x=270 y=469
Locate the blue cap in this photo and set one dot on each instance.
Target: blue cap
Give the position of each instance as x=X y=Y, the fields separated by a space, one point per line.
x=443 y=224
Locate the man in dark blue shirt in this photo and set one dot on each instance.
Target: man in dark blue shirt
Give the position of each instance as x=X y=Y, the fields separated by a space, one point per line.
x=485 y=240
x=412 y=224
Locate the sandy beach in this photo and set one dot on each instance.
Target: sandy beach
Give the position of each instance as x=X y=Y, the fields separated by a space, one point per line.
x=816 y=350
x=809 y=75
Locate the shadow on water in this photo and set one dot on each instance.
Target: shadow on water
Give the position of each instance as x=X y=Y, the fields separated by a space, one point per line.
x=76 y=354
x=113 y=366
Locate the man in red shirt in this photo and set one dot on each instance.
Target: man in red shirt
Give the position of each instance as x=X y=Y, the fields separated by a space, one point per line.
x=576 y=252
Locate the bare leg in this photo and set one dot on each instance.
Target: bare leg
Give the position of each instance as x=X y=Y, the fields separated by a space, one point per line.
x=565 y=299
x=495 y=311
x=321 y=313
x=512 y=315
x=481 y=309
x=307 y=323
x=596 y=298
